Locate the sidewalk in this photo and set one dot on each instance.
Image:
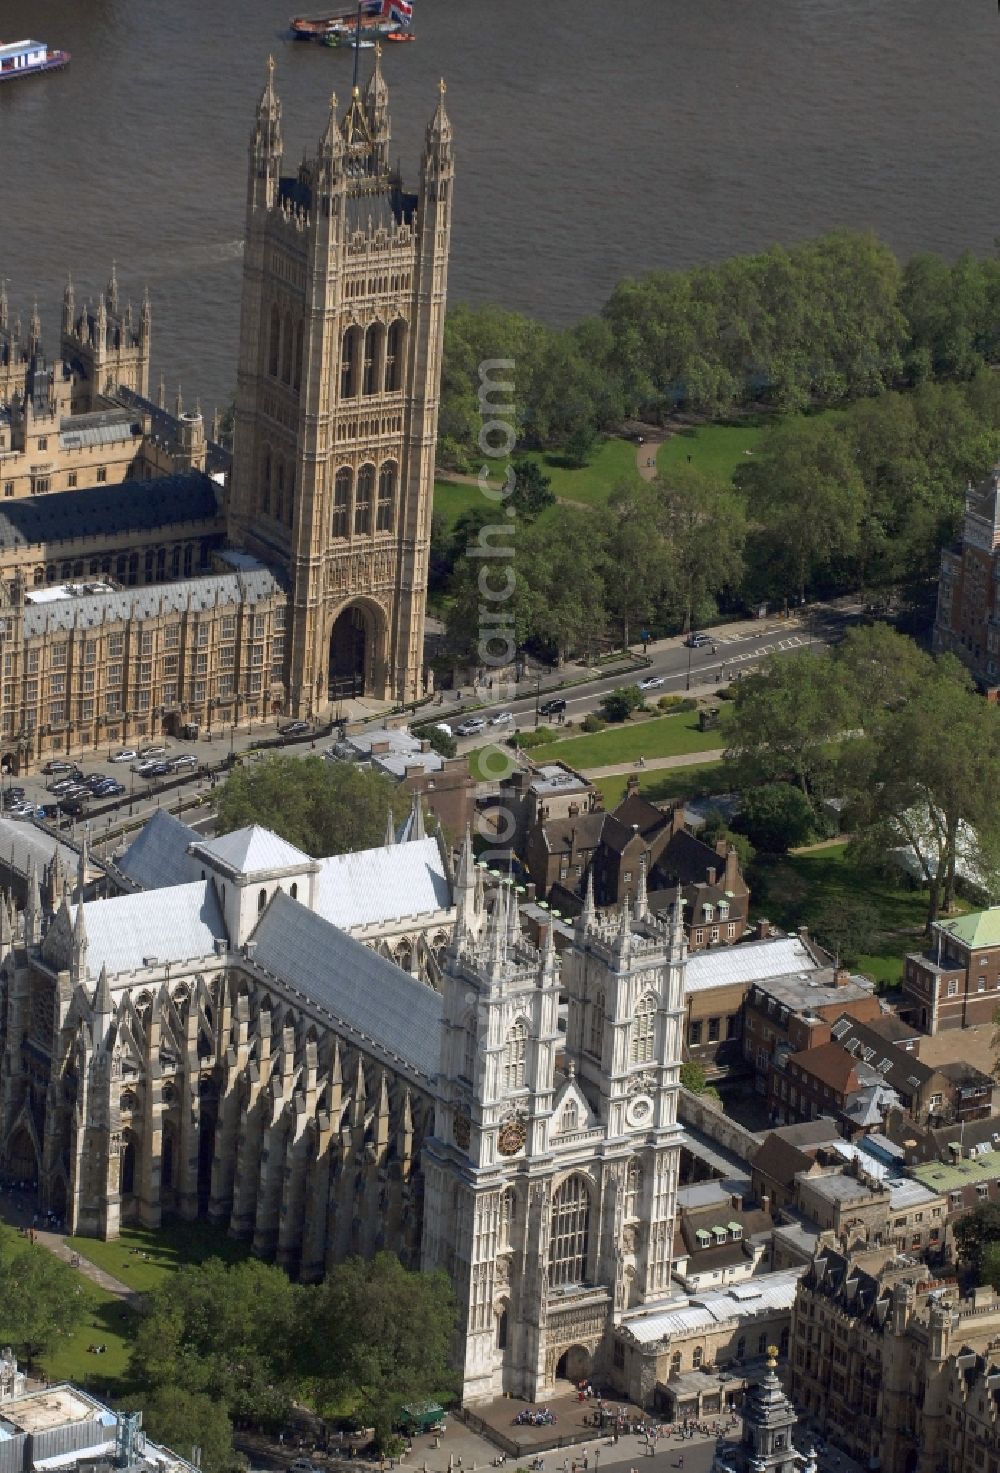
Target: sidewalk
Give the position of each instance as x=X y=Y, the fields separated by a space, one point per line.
x=653 y=764
x=18 y=1210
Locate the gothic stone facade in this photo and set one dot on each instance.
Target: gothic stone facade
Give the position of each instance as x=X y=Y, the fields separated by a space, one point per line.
x=270 y=1073
x=336 y=412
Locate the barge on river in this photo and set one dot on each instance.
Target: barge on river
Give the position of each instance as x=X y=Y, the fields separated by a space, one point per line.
x=26 y=58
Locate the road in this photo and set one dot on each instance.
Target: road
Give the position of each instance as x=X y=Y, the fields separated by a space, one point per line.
x=738 y=647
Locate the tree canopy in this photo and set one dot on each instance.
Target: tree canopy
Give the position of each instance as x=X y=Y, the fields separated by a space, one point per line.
x=41 y=1299
x=322 y=807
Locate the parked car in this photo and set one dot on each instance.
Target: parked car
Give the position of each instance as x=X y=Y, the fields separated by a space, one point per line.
x=697 y=641
x=155 y=769
x=49 y=810
x=502 y=718
x=126 y=754
x=296 y=728
x=186 y=759
x=95 y=780
x=72 y=807
x=470 y=727
x=652 y=682
x=552 y=708
x=57 y=766
x=301 y=1465
x=147 y=752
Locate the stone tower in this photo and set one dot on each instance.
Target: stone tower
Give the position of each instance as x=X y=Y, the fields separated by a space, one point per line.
x=341 y=331
x=551 y=1176
x=768 y=1423
x=105 y=345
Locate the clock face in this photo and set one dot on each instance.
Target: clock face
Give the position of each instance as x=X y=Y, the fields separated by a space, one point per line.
x=462 y=1131
x=511 y=1137
x=639 y=1111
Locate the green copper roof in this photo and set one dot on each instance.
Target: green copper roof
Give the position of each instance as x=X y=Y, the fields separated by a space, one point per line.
x=947 y=1176
x=981 y=928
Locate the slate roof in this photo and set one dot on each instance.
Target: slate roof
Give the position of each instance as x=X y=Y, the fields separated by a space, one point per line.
x=902 y=1070
x=91 y=609
x=254 y=850
x=368 y=996
x=157 y=856
x=174 y=925
x=637 y=810
x=100 y=511
x=830 y=1064
x=21 y=842
x=377 y=885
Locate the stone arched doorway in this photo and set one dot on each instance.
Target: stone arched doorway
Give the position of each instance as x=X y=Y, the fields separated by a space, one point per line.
x=575 y=1364
x=22 y=1158
x=356 y=656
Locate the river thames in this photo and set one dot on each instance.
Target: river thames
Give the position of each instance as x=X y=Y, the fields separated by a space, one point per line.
x=593 y=140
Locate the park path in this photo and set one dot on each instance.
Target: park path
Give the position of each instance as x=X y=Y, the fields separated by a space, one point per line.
x=653 y=764
x=645 y=456
x=19 y=1211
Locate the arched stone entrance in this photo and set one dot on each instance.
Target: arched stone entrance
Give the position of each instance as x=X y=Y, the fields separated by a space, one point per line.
x=356 y=660
x=575 y=1364
x=22 y=1159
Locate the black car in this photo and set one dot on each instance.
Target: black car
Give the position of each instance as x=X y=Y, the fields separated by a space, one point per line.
x=297 y=728
x=552 y=708
x=72 y=807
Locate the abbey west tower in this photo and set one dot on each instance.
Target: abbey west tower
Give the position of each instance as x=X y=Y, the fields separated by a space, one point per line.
x=344 y=290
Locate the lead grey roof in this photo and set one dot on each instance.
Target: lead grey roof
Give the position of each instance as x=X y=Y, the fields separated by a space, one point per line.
x=21 y=842
x=385 y=884
x=99 y=511
x=175 y=925
x=158 y=856
x=254 y=850
x=764 y=1294
x=89 y=610
x=752 y=961
x=371 y=998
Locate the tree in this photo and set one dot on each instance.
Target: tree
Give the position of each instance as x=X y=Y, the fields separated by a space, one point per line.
x=716 y=827
x=441 y=742
x=703 y=523
x=183 y=1420
x=693 y=1076
x=322 y=807
x=638 y=561
x=974 y=1235
x=619 y=704
x=784 y=719
x=229 y=1332
x=41 y=1299
x=803 y=485
x=846 y=926
x=559 y=598
x=532 y=489
x=377 y=1337
x=776 y=817
x=924 y=776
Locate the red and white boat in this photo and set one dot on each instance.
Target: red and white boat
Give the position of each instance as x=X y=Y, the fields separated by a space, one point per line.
x=26 y=58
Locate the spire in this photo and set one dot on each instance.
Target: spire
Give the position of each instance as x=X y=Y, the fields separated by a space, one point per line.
x=82 y=865
x=496 y=936
x=32 y=907
x=390 y=830
x=265 y=146
x=514 y=917
x=78 y=967
x=102 y=324
x=111 y=290
x=145 y=316
x=179 y=403
x=34 y=332
x=161 y=398
x=623 y=939
x=439 y=127
x=69 y=306
x=377 y=108
x=466 y=876
x=102 y=1003
x=4 y=310
x=641 y=908
x=417 y=819
x=587 y=915
x=677 y=937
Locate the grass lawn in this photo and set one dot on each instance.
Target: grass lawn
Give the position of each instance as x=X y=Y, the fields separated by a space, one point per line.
x=107 y=1322
x=790 y=890
x=590 y=484
x=165 y=1250
x=657 y=736
x=493 y=763
x=674 y=782
x=715 y=449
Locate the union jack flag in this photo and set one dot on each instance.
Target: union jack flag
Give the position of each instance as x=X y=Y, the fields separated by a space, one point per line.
x=401 y=10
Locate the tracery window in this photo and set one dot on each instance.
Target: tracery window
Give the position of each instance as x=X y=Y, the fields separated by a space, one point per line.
x=363 y=497
x=386 y=497
x=341 y=502
x=643 y=1030
x=595 y=1044
x=515 y=1056
x=633 y=1188
x=570 y=1233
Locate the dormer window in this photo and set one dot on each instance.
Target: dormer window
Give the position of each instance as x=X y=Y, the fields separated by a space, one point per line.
x=720 y=1234
x=723 y=910
x=735 y=1231
x=709 y=912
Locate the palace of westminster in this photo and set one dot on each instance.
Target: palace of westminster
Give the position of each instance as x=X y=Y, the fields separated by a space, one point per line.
x=147 y=585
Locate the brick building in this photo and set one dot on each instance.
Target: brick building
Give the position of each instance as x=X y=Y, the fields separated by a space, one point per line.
x=797 y=1012
x=967 y=622
x=955 y=982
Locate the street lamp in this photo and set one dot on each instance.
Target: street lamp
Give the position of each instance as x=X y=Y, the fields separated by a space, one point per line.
x=687 y=684
x=538 y=691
